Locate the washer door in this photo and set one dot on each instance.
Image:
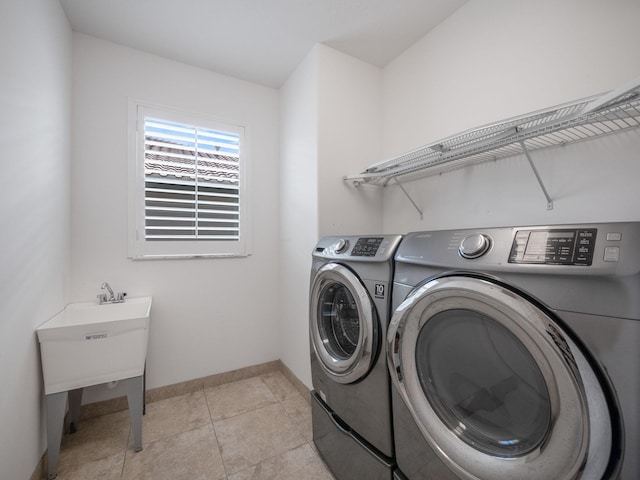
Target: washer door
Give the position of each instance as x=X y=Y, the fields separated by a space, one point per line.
x=343 y=323
x=495 y=386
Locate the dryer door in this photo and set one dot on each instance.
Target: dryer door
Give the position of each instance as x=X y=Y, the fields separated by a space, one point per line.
x=494 y=384
x=343 y=323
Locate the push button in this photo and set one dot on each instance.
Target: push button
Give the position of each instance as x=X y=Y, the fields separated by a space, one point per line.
x=611 y=254
x=614 y=236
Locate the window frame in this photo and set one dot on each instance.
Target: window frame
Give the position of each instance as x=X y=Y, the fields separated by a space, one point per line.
x=141 y=248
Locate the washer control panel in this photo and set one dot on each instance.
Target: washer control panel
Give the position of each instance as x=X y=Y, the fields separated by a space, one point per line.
x=371 y=248
x=562 y=246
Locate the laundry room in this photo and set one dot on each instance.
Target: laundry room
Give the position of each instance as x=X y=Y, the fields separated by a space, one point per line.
x=327 y=143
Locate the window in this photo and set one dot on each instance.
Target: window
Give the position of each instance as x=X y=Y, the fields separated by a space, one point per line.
x=188 y=185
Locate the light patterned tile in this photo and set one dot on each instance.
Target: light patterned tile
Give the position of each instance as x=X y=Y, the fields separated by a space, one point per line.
x=280 y=386
x=252 y=437
x=299 y=411
x=174 y=415
x=262 y=426
x=191 y=455
x=107 y=468
x=95 y=438
x=296 y=464
x=234 y=398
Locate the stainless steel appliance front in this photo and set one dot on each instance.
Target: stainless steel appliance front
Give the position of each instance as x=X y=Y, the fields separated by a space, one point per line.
x=499 y=366
x=349 y=311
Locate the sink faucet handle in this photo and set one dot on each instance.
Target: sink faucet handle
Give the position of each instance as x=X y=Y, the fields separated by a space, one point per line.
x=106 y=286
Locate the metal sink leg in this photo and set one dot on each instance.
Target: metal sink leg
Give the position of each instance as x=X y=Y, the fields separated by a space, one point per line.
x=75 y=399
x=56 y=404
x=135 y=398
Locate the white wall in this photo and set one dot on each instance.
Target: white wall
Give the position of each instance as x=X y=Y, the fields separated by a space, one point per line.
x=298 y=210
x=495 y=59
x=35 y=99
x=330 y=126
x=208 y=315
x=349 y=140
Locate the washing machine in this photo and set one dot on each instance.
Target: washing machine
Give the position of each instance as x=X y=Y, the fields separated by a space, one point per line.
x=514 y=353
x=349 y=312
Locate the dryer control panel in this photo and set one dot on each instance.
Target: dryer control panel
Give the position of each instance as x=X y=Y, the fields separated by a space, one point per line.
x=560 y=246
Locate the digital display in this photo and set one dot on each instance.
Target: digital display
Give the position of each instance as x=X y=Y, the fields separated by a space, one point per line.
x=554 y=247
x=366 y=247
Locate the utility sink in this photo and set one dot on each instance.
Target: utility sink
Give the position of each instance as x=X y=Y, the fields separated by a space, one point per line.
x=89 y=344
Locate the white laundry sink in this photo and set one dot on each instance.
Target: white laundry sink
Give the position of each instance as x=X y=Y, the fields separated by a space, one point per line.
x=88 y=344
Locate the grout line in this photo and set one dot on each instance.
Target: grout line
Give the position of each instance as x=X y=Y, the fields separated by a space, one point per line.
x=215 y=434
x=124 y=460
x=299 y=428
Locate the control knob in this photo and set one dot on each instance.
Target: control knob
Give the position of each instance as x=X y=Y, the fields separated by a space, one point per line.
x=341 y=245
x=474 y=246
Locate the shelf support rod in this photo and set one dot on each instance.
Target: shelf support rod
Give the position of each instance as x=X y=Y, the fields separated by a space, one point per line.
x=409 y=197
x=535 y=172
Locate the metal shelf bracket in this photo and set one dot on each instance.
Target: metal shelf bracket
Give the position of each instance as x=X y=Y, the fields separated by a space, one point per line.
x=535 y=172
x=409 y=197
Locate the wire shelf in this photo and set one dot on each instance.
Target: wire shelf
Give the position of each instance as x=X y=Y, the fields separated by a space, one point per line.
x=584 y=119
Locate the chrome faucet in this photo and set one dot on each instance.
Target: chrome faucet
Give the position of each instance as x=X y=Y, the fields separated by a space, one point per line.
x=112 y=298
x=105 y=285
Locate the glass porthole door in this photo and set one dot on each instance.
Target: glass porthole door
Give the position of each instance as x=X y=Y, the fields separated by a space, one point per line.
x=342 y=325
x=477 y=374
x=495 y=386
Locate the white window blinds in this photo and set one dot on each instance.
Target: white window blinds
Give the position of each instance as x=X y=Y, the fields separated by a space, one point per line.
x=189 y=192
x=192 y=182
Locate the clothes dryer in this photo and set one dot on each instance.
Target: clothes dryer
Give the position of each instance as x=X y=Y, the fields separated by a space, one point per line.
x=348 y=317
x=515 y=353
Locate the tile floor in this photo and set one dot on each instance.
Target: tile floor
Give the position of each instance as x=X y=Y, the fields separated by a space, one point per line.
x=253 y=429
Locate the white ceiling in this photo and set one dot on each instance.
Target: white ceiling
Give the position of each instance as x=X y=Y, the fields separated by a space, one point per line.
x=261 y=41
